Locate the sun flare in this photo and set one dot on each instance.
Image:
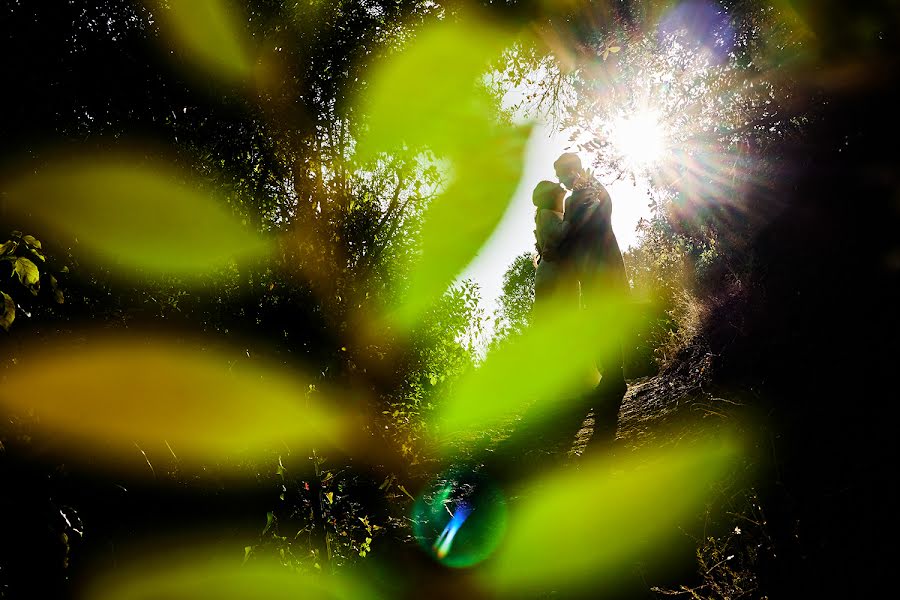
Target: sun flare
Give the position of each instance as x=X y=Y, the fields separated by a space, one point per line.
x=638 y=138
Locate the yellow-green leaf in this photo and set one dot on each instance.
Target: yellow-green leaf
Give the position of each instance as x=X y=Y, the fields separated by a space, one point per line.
x=121 y=390
x=8 y=314
x=8 y=246
x=458 y=222
x=599 y=516
x=128 y=214
x=563 y=341
x=446 y=108
x=330 y=497
x=614 y=49
x=209 y=33
x=194 y=573
x=28 y=272
x=451 y=114
x=32 y=241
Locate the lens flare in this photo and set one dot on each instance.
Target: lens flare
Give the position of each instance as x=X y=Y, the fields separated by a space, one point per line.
x=445 y=540
x=460 y=518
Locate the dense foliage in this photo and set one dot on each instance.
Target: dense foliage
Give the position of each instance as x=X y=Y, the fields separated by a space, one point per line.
x=359 y=173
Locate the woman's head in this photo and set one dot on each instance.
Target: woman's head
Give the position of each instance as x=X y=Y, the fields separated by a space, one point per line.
x=549 y=195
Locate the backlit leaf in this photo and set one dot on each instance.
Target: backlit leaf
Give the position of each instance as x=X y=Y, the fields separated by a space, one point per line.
x=194 y=574
x=607 y=514
x=57 y=293
x=122 y=390
x=28 y=272
x=127 y=215
x=431 y=96
x=209 y=33
x=558 y=355
x=459 y=221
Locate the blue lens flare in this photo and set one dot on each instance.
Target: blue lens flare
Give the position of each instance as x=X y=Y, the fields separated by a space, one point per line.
x=460 y=518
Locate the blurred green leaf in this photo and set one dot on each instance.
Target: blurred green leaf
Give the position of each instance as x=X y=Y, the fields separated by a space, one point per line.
x=551 y=363
x=431 y=96
x=130 y=215
x=609 y=512
x=209 y=33
x=126 y=389
x=459 y=221
x=8 y=246
x=193 y=574
x=30 y=239
x=270 y=520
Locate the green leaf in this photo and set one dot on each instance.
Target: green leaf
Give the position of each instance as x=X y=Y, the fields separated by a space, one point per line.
x=209 y=33
x=452 y=115
x=119 y=390
x=609 y=511
x=9 y=311
x=128 y=214
x=208 y=573
x=8 y=246
x=587 y=335
x=28 y=273
x=32 y=241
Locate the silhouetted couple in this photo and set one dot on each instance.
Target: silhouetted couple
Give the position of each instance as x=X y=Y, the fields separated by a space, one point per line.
x=579 y=268
x=580 y=265
x=579 y=283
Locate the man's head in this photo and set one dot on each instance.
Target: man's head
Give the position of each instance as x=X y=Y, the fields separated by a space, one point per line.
x=568 y=168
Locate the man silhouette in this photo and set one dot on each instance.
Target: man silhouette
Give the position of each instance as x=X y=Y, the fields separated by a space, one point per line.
x=589 y=245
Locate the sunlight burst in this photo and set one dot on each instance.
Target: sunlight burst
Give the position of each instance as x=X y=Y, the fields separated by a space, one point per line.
x=638 y=138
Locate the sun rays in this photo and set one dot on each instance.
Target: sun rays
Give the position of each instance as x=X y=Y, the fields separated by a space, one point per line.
x=639 y=138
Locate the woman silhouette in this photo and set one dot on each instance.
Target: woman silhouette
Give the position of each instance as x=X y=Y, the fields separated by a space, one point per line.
x=553 y=280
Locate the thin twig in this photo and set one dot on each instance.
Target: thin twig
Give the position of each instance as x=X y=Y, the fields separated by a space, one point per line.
x=152 y=470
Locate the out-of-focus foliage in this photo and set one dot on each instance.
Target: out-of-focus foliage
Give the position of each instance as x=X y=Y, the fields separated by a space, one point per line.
x=447 y=110
x=117 y=392
x=368 y=149
x=209 y=32
x=197 y=573
x=604 y=512
x=131 y=216
x=558 y=372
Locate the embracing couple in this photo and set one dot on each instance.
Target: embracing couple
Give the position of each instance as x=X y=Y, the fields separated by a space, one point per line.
x=579 y=262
